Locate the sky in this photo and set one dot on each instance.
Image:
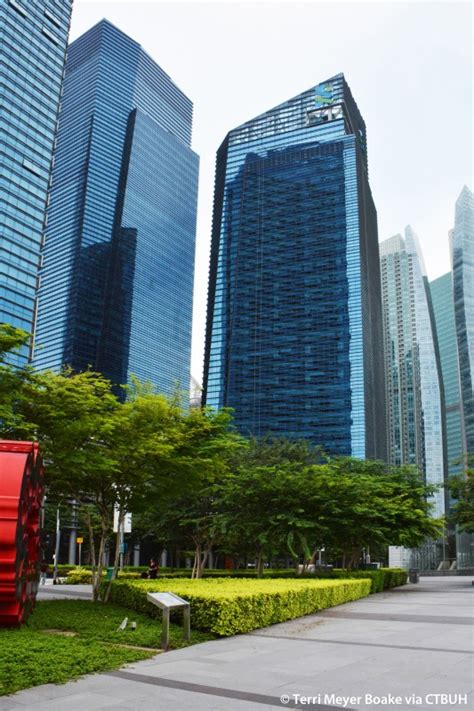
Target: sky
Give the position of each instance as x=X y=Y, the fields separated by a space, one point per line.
x=409 y=66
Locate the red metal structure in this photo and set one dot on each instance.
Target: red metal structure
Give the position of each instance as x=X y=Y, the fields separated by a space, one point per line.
x=21 y=492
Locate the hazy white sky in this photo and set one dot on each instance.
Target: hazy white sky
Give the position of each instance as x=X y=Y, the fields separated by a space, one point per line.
x=409 y=65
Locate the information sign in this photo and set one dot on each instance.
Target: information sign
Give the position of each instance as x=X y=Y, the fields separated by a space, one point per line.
x=166 y=601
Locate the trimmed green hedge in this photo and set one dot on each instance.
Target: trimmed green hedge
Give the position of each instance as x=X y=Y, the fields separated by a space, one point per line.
x=228 y=606
x=382 y=579
x=83 y=576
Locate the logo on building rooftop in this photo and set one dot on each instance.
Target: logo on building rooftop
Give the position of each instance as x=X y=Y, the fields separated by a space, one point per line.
x=323 y=94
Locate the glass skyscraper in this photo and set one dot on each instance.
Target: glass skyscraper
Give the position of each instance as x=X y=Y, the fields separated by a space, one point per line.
x=294 y=325
x=33 y=40
x=443 y=306
x=462 y=246
x=414 y=387
x=117 y=278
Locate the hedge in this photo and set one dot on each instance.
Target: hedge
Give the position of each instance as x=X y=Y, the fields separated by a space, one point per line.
x=382 y=578
x=83 y=576
x=228 y=606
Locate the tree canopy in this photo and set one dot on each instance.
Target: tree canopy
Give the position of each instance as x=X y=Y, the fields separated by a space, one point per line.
x=194 y=483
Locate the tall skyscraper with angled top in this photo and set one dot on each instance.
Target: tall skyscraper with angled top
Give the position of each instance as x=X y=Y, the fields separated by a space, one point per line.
x=294 y=323
x=117 y=277
x=33 y=40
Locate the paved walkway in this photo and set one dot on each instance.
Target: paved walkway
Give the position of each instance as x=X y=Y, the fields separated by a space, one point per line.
x=411 y=643
x=62 y=592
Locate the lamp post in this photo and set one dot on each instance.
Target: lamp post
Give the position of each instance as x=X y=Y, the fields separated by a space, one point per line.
x=56 y=551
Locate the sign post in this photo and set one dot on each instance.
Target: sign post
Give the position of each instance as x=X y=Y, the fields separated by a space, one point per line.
x=80 y=541
x=167 y=601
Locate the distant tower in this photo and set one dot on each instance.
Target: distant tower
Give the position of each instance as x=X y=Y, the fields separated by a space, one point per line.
x=195 y=394
x=414 y=390
x=294 y=324
x=117 y=281
x=463 y=285
x=33 y=39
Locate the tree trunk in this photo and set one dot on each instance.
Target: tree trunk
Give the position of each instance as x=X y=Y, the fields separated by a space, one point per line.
x=203 y=562
x=197 y=561
x=97 y=577
x=260 y=562
x=90 y=530
x=354 y=559
x=118 y=539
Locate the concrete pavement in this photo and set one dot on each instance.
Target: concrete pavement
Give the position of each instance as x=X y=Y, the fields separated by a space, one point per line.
x=64 y=592
x=402 y=649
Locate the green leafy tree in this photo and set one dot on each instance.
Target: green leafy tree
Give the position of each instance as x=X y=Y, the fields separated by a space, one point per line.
x=263 y=502
x=12 y=381
x=203 y=452
x=366 y=504
x=71 y=413
x=462 y=489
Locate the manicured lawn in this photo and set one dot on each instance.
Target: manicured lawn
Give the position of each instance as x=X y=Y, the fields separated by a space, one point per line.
x=65 y=639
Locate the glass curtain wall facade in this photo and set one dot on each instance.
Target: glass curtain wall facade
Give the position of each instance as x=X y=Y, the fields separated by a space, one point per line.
x=414 y=387
x=462 y=246
x=443 y=306
x=294 y=325
x=117 y=279
x=33 y=40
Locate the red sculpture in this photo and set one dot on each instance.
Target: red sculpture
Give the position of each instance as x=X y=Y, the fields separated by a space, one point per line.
x=21 y=492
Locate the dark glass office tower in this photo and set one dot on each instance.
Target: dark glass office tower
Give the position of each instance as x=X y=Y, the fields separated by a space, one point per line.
x=294 y=327
x=117 y=281
x=462 y=246
x=33 y=39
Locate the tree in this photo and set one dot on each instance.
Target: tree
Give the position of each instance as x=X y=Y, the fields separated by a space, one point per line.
x=462 y=489
x=263 y=501
x=368 y=504
x=202 y=454
x=12 y=380
x=342 y=504
x=71 y=413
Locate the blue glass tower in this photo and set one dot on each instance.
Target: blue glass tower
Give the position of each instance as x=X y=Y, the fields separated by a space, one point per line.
x=33 y=39
x=117 y=279
x=294 y=326
x=443 y=306
x=462 y=246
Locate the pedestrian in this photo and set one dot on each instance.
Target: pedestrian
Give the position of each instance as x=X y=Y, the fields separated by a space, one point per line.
x=153 y=569
x=44 y=570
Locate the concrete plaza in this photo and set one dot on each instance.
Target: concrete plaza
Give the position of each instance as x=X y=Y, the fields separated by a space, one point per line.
x=402 y=649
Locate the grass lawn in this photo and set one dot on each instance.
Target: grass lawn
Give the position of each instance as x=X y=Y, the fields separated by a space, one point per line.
x=65 y=639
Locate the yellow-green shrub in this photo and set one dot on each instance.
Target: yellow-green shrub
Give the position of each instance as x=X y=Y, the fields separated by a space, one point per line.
x=83 y=576
x=229 y=606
